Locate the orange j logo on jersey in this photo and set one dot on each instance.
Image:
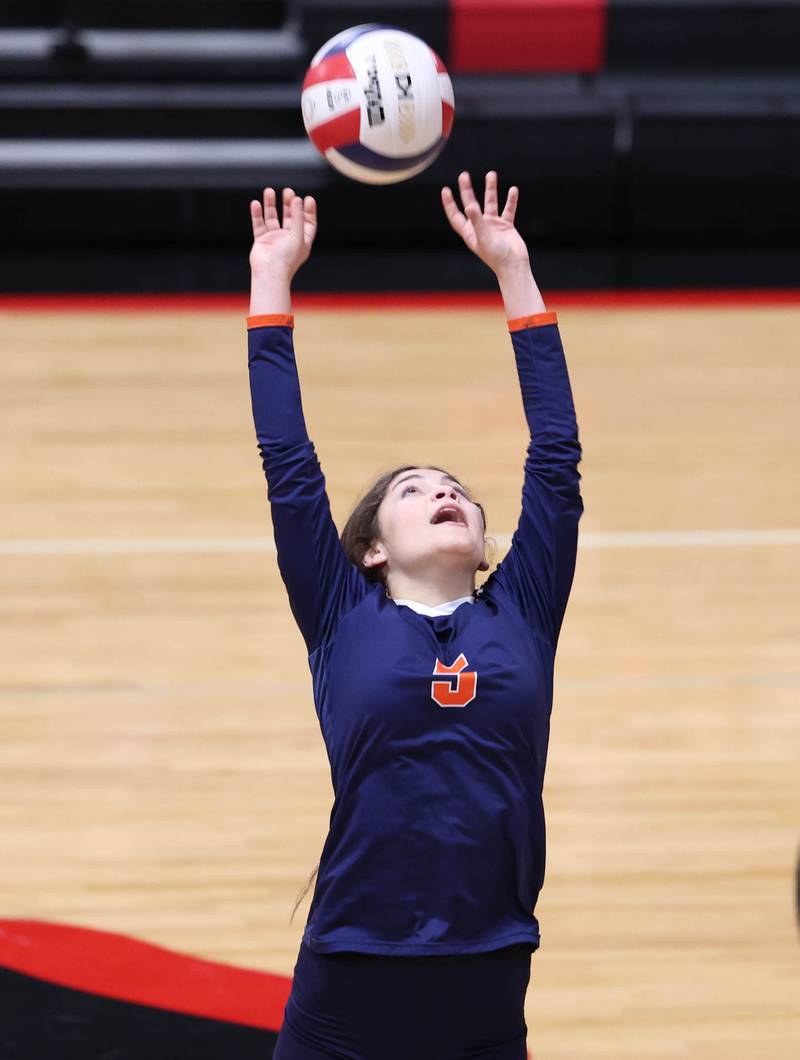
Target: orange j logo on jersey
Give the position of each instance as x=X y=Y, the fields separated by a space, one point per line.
x=459 y=688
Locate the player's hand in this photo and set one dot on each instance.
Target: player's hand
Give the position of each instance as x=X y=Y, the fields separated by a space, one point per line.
x=489 y=234
x=284 y=246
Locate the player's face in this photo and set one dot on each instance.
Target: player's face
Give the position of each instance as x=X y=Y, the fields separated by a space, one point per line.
x=427 y=517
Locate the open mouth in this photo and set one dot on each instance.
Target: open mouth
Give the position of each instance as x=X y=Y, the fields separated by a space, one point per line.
x=448 y=513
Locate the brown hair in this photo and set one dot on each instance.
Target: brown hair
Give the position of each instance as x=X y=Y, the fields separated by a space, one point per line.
x=359 y=532
x=362 y=528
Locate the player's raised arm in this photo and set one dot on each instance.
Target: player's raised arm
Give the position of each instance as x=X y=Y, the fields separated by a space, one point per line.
x=539 y=567
x=317 y=575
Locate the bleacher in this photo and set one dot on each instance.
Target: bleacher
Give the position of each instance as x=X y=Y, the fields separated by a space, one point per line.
x=655 y=142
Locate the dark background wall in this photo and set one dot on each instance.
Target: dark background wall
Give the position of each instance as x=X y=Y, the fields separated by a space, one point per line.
x=656 y=143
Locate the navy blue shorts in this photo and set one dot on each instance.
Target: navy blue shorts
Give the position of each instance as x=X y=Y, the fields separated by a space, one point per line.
x=363 y=1006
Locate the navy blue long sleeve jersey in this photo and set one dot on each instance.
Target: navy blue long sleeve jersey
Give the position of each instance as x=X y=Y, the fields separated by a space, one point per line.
x=436 y=728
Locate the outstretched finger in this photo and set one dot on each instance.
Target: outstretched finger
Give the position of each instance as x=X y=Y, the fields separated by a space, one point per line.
x=458 y=222
x=454 y=215
x=309 y=218
x=510 y=208
x=475 y=217
x=465 y=187
x=256 y=217
x=288 y=195
x=490 y=194
x=270 y=212
x=296 y=219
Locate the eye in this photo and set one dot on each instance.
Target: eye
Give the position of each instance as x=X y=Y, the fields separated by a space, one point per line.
x=458 y=489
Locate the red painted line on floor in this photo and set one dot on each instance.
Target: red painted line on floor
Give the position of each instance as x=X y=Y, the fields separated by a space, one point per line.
x=120 y=967
x=49 y=303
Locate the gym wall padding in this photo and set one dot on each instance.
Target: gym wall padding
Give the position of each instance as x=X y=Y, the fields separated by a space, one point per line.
x=490 y=36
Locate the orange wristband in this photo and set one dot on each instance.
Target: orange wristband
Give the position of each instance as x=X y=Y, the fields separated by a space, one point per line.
x=271 y=320
x=535 y=320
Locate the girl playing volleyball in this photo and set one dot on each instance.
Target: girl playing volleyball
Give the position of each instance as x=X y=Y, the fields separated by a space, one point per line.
x=433 y=698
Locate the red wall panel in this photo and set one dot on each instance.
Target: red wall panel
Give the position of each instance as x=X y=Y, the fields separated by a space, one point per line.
x=527 y=35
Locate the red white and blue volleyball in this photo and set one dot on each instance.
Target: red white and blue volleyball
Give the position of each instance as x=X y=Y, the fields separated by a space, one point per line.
x=378 y=103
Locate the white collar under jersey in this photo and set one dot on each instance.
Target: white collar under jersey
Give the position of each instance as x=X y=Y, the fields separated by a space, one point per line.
x=447 y=608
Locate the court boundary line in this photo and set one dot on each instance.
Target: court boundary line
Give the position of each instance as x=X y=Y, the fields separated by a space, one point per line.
x=353 y=300
x=589 y=540
x=120 y=966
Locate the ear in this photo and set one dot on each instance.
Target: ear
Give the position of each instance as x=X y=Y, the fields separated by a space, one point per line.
x=375 y=555
x=483 y=565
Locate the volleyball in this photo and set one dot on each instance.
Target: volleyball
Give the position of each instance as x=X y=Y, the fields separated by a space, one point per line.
x=377 y=103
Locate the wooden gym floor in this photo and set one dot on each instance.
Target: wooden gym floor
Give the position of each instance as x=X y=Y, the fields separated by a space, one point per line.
x=162 y=772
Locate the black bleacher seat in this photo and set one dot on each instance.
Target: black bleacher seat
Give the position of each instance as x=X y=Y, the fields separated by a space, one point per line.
x=726 y=166
x=147 y=14
x=708 y=35
x=205 y=39
x=96 y=56
x=166 y=111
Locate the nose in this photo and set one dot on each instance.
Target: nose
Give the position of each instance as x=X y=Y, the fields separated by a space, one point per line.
x=445 y=491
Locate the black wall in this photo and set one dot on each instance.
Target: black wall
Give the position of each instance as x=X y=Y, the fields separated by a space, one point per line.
x=675 y=164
